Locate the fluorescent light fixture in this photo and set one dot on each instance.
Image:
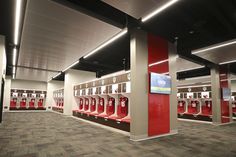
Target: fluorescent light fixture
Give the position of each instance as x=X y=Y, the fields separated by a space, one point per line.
x=14 y=70
x=70 y=66
x=224 y=80
x=160 y=62
x=228 y=62
x=216 y=46
x=158 y=10
x=191 y=69
x=196 y=78
x=57 y=75
x=14 y=57
x=187 y=86
x=116 y=74
x=233 y=79
x=17 y=21
x=50 y=79
x=167 y=73
x=120 y=34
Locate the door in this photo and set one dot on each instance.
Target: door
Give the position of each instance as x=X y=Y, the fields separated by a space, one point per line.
x=1 y=99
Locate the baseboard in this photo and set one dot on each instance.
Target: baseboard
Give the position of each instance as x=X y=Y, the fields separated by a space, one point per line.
x=144 y=137
x=32 y=111
x=221 y=124
x=56 y=112
x=102 y=126
x=195 y=121
x=138 y=138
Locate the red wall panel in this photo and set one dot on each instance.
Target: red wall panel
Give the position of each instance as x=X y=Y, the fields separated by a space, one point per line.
x=158 y=104
x=224 y=104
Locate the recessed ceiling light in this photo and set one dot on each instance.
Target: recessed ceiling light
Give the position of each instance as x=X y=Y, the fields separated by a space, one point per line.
x=191 y=32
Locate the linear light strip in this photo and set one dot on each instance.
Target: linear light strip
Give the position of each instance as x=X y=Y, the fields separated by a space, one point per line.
x=120 y=34
x=50 y=79
x=14 y=70
x=228 y=62
x=14 y=57
x=196 y=78
x=216 y=46
x=57 y=75
x=160 y=62
x=191 y=69
x=187 y=86
x=17 y=21
x=157 y=11
x=71 y=66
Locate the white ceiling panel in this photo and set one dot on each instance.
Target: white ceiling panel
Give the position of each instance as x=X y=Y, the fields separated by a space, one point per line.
x=219 y=55
x=136 y=8
x=195 y=81
x=54 y=36
x=183 y=65
x=35 y=75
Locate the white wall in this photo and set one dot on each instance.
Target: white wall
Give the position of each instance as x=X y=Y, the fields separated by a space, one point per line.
x=233 y=86
x=23 y=84
x=2 y=63
x=74 y=77
x=52 y=86
x=7 y=93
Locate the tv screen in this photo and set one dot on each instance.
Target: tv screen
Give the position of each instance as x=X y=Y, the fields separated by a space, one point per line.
x=226 y=94
x=160 y=84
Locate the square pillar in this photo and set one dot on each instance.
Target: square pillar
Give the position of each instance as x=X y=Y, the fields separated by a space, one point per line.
x=139 y=86
x=221 y=109
x=7 y=94
x=51 y=87
x=152 y=115
x=72 y=78
x=215 y=88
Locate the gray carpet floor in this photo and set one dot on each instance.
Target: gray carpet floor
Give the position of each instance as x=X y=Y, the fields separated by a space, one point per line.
x=54 y=135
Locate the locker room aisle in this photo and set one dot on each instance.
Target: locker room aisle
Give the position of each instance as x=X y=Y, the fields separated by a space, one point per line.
x=48 y=134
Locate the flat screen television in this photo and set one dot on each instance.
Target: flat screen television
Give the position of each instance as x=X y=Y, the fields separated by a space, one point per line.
x=160 y=84
x=226 y=94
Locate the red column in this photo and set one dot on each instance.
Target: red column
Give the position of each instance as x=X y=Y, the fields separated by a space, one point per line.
x=224 y=76
x=158 y=104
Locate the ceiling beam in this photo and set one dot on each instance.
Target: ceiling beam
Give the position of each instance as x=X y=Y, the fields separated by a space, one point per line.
x=40 y=69
x=99 y=66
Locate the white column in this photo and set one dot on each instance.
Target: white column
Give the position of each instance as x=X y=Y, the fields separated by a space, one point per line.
x=173 y=95
x=215 y=88
x=52 y=86
x=2 y=70
x=7 y=94
x=139 y=86
x=72 y=78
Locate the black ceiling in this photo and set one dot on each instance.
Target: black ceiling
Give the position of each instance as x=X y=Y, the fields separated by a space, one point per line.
x=196 y=23
x=112 y=58
x=6 y=26
x=7 y=15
